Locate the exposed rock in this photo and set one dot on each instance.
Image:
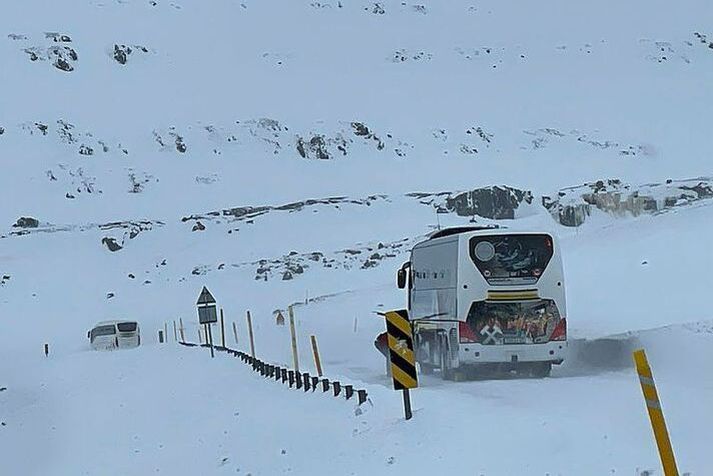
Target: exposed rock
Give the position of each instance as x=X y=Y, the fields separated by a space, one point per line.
x=574 y=204
x=316 y=148
x=32 y=53
x=180 y=145
x=402 y=55
x=57 y=37
x=295 y=268
x=248 y=213
x=497 y=202
x=377 y=9
x=198 y=226
x=26 y=222
x=315 y=256
x=111 y=244
x=292 y=265
x=63 y=57
x=85 y=150
x=121 y=53
x=199 y=270
x=361 y=130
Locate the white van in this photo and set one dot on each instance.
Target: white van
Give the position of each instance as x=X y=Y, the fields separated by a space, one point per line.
x=110 y=335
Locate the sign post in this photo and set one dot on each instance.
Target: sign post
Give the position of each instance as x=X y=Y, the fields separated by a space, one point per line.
x=401 y=355
x=295 y=359
x=222 y=328
x=252 y=339
x=207 y=314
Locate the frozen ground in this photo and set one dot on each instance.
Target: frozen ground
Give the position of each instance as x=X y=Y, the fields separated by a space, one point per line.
x=331 y=115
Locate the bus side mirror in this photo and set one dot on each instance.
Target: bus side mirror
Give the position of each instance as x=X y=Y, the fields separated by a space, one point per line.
x=401 y=278
x=89 y=334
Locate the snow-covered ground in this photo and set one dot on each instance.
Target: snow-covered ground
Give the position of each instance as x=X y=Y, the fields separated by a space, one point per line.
x=283 y=151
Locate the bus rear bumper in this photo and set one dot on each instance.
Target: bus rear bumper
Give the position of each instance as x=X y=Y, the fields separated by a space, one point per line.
x=553 y=352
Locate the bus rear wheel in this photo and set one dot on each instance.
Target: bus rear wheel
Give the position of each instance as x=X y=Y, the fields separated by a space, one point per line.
x=540 y=369
x=426 y=369
x=446 y=371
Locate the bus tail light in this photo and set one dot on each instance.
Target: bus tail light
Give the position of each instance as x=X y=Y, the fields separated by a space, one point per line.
x=560 y=331
x=466 y=333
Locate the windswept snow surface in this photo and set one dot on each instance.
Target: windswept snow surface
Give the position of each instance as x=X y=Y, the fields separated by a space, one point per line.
x=270 y=150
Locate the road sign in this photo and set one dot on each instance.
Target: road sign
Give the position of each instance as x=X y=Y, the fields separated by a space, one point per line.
x=401 y=355
x=206 y=297
x=207 y=314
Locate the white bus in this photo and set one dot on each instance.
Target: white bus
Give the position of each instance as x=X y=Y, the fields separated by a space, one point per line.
x=486 y=298
x=110 y=335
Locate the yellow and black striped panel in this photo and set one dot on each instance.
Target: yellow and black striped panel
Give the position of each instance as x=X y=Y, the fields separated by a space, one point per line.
x=523 y=295
x=403 y=359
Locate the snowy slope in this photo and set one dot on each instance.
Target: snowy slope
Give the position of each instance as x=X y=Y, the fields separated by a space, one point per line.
x=278 y=151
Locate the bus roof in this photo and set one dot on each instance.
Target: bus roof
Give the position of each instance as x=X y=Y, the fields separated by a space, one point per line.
x=480 y=230
x=110 y=323
x=460 y=229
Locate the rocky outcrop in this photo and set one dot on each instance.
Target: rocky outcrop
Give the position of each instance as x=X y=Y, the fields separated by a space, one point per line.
x=573 y=205
x=122 y=53
x=26 y=222
x=56 y=50
x=111 y=244
x=497 y=202
x=361 y=256
x=249 y=213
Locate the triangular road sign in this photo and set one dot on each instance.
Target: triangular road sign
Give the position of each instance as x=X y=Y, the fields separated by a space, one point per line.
x=206 y=297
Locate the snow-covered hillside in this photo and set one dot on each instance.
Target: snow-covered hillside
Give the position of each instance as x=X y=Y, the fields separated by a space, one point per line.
x=289 y=151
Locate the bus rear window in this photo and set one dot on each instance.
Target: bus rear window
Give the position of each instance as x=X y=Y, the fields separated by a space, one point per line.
x=513 y=323
x=127 y=326
x=511 y=259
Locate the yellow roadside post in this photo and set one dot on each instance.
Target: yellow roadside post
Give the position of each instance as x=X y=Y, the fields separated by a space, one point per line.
x=653 y=405
x=293 y=336
x=315 y=351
